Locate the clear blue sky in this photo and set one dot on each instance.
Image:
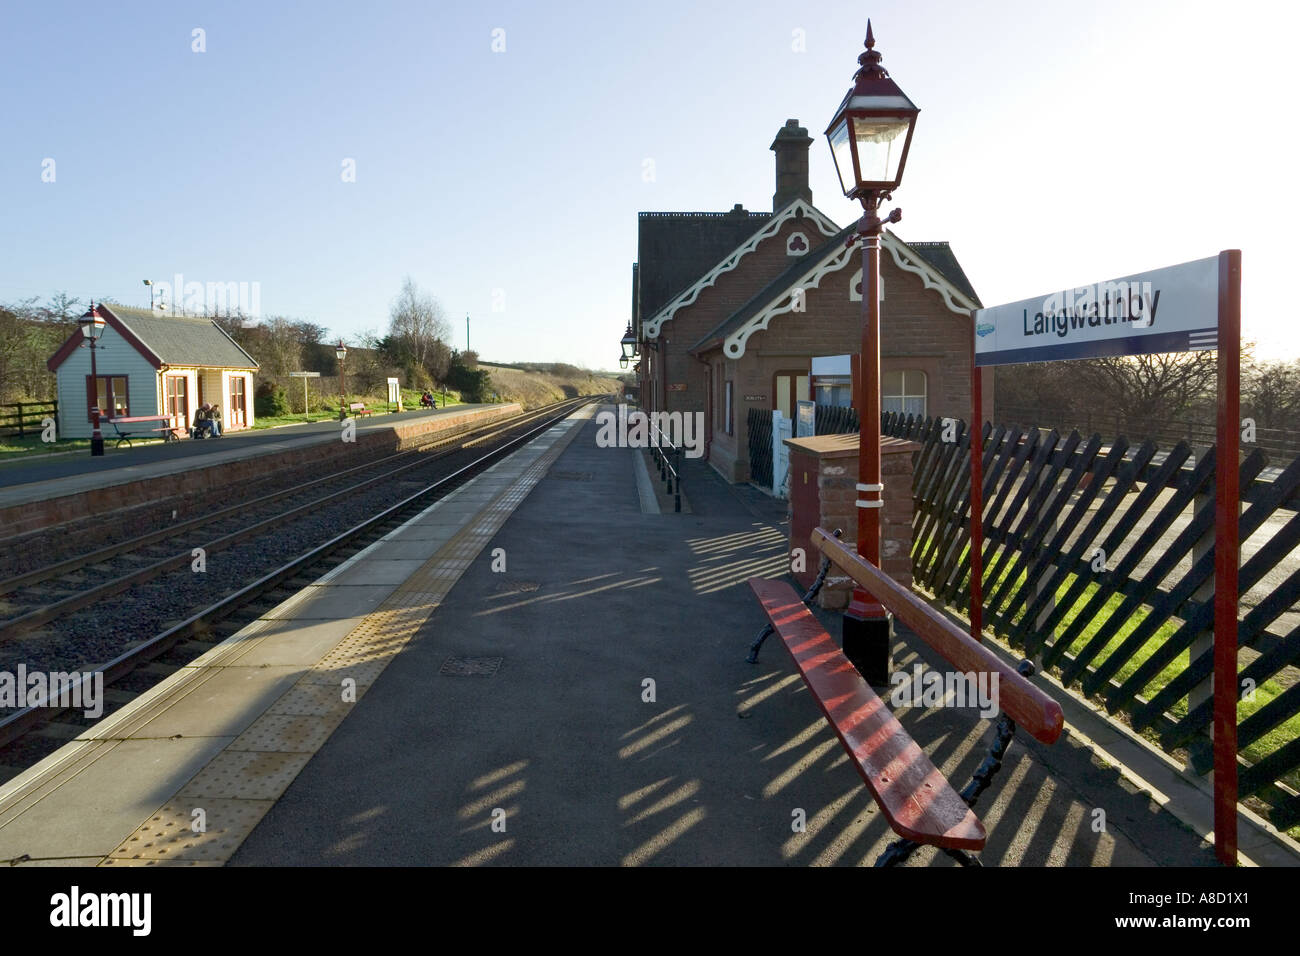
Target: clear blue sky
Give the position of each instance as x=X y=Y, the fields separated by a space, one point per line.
x=1058 y=144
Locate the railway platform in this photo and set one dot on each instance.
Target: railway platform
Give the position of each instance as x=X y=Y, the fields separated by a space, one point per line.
x=507 y=680
x=50 y=490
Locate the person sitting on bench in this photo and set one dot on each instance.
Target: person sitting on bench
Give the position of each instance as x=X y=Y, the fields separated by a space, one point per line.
x=215 y=420
x=426 y=400
x=202 y=422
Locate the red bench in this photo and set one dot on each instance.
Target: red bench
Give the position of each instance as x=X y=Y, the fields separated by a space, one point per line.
x=359 y=408
x=916 y=799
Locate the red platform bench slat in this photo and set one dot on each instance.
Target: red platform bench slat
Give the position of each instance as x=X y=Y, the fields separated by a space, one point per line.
x=916 y=799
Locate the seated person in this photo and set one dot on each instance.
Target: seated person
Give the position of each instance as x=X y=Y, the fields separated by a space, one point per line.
x=215 y=420
x=426 y=399
x=202 y=421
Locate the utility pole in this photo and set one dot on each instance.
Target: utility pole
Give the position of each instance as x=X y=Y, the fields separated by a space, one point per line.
x=466 y=331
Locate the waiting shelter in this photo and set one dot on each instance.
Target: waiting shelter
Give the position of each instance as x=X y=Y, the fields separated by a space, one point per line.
x=149 y=363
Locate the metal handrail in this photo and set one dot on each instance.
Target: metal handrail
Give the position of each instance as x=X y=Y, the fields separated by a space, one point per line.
x=670 y=474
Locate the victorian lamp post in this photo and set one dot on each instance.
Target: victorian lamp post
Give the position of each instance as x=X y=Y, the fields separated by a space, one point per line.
x=92 y=326
x=628 y=344
x=869 y=138
x=341 y=353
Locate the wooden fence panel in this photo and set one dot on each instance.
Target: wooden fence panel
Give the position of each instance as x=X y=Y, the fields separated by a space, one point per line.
x=1128 y=633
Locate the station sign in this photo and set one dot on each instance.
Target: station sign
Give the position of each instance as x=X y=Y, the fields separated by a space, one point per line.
x=1174 y=309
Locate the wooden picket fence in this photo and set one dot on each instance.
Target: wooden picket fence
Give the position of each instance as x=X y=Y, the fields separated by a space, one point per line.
x=1099 y=560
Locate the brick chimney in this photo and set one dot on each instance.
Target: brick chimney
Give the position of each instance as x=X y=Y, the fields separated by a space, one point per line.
x=791 y=148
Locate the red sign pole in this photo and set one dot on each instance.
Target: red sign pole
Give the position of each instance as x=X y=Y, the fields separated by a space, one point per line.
x=976 y=492
x=1227 y=554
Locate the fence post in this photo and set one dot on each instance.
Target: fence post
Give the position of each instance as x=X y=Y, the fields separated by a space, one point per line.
x=1040 y=585
x=20 y=419
x=1204 y=641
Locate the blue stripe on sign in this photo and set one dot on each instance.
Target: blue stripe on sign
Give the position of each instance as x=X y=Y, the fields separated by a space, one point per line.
x=1131 y=345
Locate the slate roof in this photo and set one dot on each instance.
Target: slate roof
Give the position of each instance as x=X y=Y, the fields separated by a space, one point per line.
x=675 y=248
x=183 y=341
x=940 y=255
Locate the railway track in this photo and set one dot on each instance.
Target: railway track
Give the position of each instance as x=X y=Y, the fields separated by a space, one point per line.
x=30 y=733
x=43 y=595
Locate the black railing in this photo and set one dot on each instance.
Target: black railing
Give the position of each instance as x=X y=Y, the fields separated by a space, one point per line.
x=760 y=446
x=668 y=459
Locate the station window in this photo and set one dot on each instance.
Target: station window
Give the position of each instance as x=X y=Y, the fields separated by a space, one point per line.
x=110 y=393
x=903 y=392
x=834 y=390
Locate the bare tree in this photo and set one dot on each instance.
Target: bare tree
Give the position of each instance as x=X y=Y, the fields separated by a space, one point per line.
x=1270 y=392
x=417 y=324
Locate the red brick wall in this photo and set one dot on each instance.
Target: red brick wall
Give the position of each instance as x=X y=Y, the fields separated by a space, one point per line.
x=836 y=485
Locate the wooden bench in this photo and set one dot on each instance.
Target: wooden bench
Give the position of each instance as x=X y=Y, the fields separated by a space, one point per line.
x=918 y=802
x=359 y=408
x=163 y=424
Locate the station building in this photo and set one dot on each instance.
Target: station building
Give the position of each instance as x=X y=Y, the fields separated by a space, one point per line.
x=730 y=310
x=147 y=363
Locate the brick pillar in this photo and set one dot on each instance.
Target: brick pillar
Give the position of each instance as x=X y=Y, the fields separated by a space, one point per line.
x=823 y=480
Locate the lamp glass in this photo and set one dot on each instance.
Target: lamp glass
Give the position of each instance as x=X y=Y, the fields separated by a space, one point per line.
x=92 y=326
x=341 y=353
x=622 y=361
x=879 y=141
x=842 y=153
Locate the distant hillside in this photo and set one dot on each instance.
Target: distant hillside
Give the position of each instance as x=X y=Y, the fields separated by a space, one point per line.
x=532 y=385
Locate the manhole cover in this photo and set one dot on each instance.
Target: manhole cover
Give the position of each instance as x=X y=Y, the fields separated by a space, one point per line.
x=471 y=666
x=571 y=475
x=515 y=587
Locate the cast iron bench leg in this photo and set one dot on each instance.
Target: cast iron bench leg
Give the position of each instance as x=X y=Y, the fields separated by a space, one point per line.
x=766 y=632
x=898 y=851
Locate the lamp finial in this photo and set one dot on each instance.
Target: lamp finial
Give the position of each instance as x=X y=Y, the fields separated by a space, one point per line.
x=869 y=60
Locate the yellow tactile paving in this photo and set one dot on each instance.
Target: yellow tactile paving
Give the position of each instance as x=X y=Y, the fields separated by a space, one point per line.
x=232 y=793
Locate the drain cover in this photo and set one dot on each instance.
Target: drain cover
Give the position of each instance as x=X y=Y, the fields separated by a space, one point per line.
x=471 y=666
x=571 y=475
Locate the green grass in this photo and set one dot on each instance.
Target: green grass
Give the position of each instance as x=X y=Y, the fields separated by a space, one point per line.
x=329 y=409
x=1267 y=744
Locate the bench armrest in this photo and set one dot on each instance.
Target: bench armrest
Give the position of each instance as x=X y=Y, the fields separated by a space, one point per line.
x=1020 y=700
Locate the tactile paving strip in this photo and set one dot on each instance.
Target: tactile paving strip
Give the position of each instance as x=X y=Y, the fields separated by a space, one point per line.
x=169 y=834
x=238 y=786
x=244 y=775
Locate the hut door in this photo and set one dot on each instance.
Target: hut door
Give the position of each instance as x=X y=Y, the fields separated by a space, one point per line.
x=178 y=400
x=237 y=413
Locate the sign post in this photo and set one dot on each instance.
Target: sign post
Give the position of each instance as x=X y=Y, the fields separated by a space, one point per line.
x=1191 y=307
x=394 y=394
x=304 y=376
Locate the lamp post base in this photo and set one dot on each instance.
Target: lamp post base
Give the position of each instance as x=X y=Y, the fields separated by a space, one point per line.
x=97 y=446
x=868 y=643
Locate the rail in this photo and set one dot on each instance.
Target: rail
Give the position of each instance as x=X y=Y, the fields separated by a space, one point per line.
x=669 y=471
x=25 y=719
